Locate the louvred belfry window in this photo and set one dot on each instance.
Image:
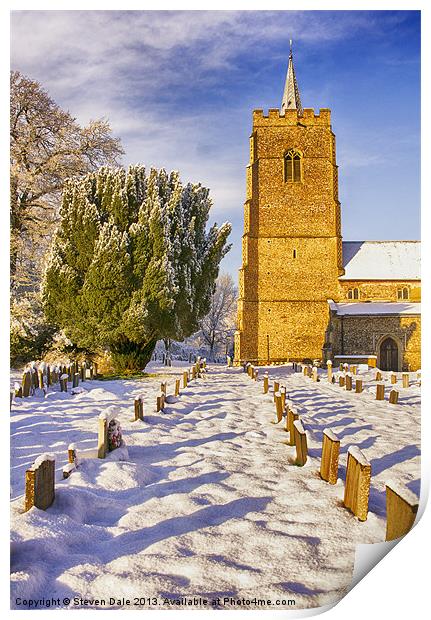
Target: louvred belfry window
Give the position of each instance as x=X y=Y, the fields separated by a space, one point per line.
x=293 y=166
x=403 y=293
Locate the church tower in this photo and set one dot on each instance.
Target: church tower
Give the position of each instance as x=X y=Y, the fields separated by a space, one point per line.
x=291 y=246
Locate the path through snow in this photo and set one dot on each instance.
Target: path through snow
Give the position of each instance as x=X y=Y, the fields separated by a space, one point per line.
x=208 y=501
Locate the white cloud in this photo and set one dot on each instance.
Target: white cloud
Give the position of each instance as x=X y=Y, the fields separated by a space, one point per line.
x=131 y=66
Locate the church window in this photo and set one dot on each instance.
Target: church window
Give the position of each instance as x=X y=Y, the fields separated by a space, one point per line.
x=294 y=253
x=403 y=293
x=293 y=166
x=353 y=293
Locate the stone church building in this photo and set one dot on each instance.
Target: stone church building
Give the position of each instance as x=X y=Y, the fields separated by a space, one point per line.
x=304 y=294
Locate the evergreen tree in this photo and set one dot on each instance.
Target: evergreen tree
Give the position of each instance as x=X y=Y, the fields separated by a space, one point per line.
x=132 y=262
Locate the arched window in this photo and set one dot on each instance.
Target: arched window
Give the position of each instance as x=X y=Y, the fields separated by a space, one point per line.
x=353 y=293
x=293 y=166
x=403 y=293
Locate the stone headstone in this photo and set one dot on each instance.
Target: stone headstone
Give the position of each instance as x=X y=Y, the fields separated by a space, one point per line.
x=300 y=443
x=26 y=383
x=393 y=397
x=292 y=416
x=278 y=407
x=40 y=483
x=276 y=388
x=330 y=456
x=358 y=479
x=401 y=510
x=139 y=409
x=329 y=367
x=380 y=391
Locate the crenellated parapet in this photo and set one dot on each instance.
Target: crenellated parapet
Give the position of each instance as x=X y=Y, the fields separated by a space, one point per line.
x=291 y=117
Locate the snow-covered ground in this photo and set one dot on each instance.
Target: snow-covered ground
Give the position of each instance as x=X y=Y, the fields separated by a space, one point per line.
x=208 y=502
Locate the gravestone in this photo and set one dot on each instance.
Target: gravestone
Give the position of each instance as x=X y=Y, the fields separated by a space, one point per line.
x=393 y=397
x=292 y=416
x=401 y=510
x=139 y=409
x=160 y=402
x=358 y=479
x=40 y=483
x=329 y=367
x=300 y=443
x=276 y=388
x=283 y=397
x=109 y=432
x=330 y=456
x=63 y=382
x=278 y=407
x=380 y=391
x=26 y=383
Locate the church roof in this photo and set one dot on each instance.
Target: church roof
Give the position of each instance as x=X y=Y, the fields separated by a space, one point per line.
x=381 y=260
x=384 y=308
x=291 y=99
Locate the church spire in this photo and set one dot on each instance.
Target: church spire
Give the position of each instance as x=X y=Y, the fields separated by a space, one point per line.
x=291 y=99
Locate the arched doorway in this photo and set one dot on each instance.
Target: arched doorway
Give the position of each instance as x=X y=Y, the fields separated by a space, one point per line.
x=389 y=354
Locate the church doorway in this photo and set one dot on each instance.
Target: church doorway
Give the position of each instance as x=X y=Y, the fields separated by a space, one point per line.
x=388 y=354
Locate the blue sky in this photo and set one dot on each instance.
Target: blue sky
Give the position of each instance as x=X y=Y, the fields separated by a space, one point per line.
x=179 y=89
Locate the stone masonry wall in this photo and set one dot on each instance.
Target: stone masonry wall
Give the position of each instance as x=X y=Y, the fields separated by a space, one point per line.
x=351 y=335
x=379 y=290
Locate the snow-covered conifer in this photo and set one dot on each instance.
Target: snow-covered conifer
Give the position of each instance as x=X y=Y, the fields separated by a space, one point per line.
x=132 y=261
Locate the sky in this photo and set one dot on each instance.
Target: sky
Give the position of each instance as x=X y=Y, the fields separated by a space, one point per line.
x=179 y=87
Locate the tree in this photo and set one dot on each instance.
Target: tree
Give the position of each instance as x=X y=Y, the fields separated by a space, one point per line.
x=218 y=325
x=132 y=262
x=47 y=146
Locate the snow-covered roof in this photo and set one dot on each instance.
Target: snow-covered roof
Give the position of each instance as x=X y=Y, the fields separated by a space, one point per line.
x=381 y=260
x=376 y=308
